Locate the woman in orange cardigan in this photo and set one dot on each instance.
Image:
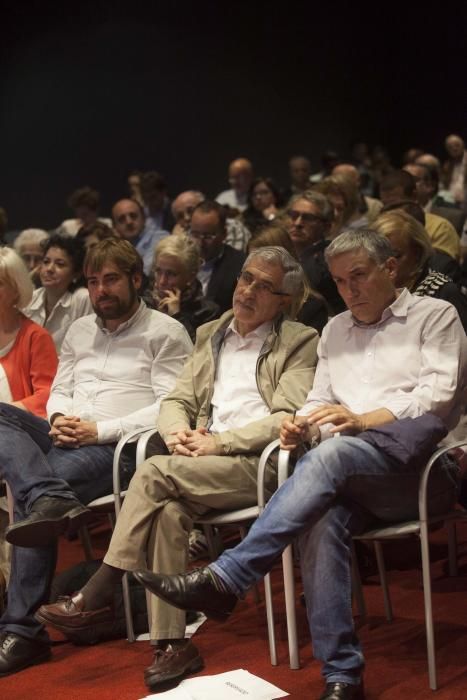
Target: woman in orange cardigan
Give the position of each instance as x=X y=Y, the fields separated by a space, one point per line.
x=28 y=359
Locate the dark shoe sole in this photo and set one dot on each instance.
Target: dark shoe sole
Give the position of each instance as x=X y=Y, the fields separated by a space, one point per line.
x=40 y=533
x=154 y=680
x=218 y=615
x=40 y=659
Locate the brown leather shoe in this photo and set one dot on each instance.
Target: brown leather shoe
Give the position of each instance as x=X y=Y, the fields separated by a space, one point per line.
x=173 y=661
x=68 y=615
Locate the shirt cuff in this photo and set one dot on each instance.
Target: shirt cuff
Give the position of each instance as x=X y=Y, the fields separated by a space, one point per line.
x=109 y=431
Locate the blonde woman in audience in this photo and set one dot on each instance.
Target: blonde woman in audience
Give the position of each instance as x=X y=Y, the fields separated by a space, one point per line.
x=62 y=298
x=176 y=290
x=28 y=360
x=413 y=250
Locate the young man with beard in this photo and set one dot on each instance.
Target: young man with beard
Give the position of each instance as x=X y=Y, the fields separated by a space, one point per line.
x=115 y=368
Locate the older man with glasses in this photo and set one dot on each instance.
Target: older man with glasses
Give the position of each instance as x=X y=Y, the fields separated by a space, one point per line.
x=309 y=219
x=248 y=370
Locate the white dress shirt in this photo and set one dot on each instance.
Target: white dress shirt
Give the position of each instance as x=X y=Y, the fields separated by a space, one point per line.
x=412 y=361
x=119 y=378
x=69 y=307
x=236 y=400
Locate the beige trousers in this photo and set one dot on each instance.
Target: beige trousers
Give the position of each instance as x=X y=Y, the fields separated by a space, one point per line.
x=165 y=496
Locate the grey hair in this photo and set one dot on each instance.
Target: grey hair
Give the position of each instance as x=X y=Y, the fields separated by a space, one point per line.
x=319 y=200
x=294 y=281
x=377 y=246
x=30 y=236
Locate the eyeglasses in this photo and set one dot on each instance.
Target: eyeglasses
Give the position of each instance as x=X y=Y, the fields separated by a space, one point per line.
x=306 y=217
x=246 y=279
x=203 y=236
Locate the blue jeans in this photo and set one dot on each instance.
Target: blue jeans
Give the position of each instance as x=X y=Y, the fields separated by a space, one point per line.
x=330 y=496
x=32 y=467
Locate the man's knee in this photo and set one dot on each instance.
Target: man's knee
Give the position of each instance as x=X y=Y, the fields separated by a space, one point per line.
x=175 y=517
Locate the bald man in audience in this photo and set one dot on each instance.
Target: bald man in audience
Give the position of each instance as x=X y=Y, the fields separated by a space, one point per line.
x=368 y=206
x=299 y=173
x=183 y=206
x=129 y=222
x=240 y=179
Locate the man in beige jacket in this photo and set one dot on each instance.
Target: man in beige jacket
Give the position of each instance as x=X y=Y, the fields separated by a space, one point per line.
x=249 y=369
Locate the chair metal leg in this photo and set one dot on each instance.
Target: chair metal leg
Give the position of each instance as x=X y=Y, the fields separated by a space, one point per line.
x=452 y=548
x=430 y=634
x=357 y=588
x=127 y=607
x=289 y=590
x=270 y=619
x=384 y=580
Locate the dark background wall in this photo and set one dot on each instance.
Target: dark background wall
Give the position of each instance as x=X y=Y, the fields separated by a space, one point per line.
x=96 y=91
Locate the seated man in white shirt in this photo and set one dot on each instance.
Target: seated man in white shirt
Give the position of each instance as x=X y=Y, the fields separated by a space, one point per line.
x=391 y=356
x=248 y=370
x=240 y=179
x=115 y=368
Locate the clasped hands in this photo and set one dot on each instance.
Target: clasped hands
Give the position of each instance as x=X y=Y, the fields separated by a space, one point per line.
x=193 y=443
x=306 y=428
x=73 y=432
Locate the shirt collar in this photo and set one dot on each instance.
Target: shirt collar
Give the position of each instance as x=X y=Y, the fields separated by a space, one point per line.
x=39 y=299
x=260 y=332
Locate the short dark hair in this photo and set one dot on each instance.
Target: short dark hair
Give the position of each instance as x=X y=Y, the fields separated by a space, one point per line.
x=74 y=249
x=208 y=206
x=399 y=178
x=98 y=229
x=117 y=251
x=84 y=197
x=152 y=182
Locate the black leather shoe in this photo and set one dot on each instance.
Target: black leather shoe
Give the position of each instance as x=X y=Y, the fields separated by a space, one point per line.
x=192 y=591
x=49 y=518
x=17 y=653
x=343 y=691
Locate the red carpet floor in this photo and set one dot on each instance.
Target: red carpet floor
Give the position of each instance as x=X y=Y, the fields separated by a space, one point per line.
x=395 y=653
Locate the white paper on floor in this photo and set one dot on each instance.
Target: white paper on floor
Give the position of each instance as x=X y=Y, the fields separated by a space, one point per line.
x=232 y=685
x=189 y=630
